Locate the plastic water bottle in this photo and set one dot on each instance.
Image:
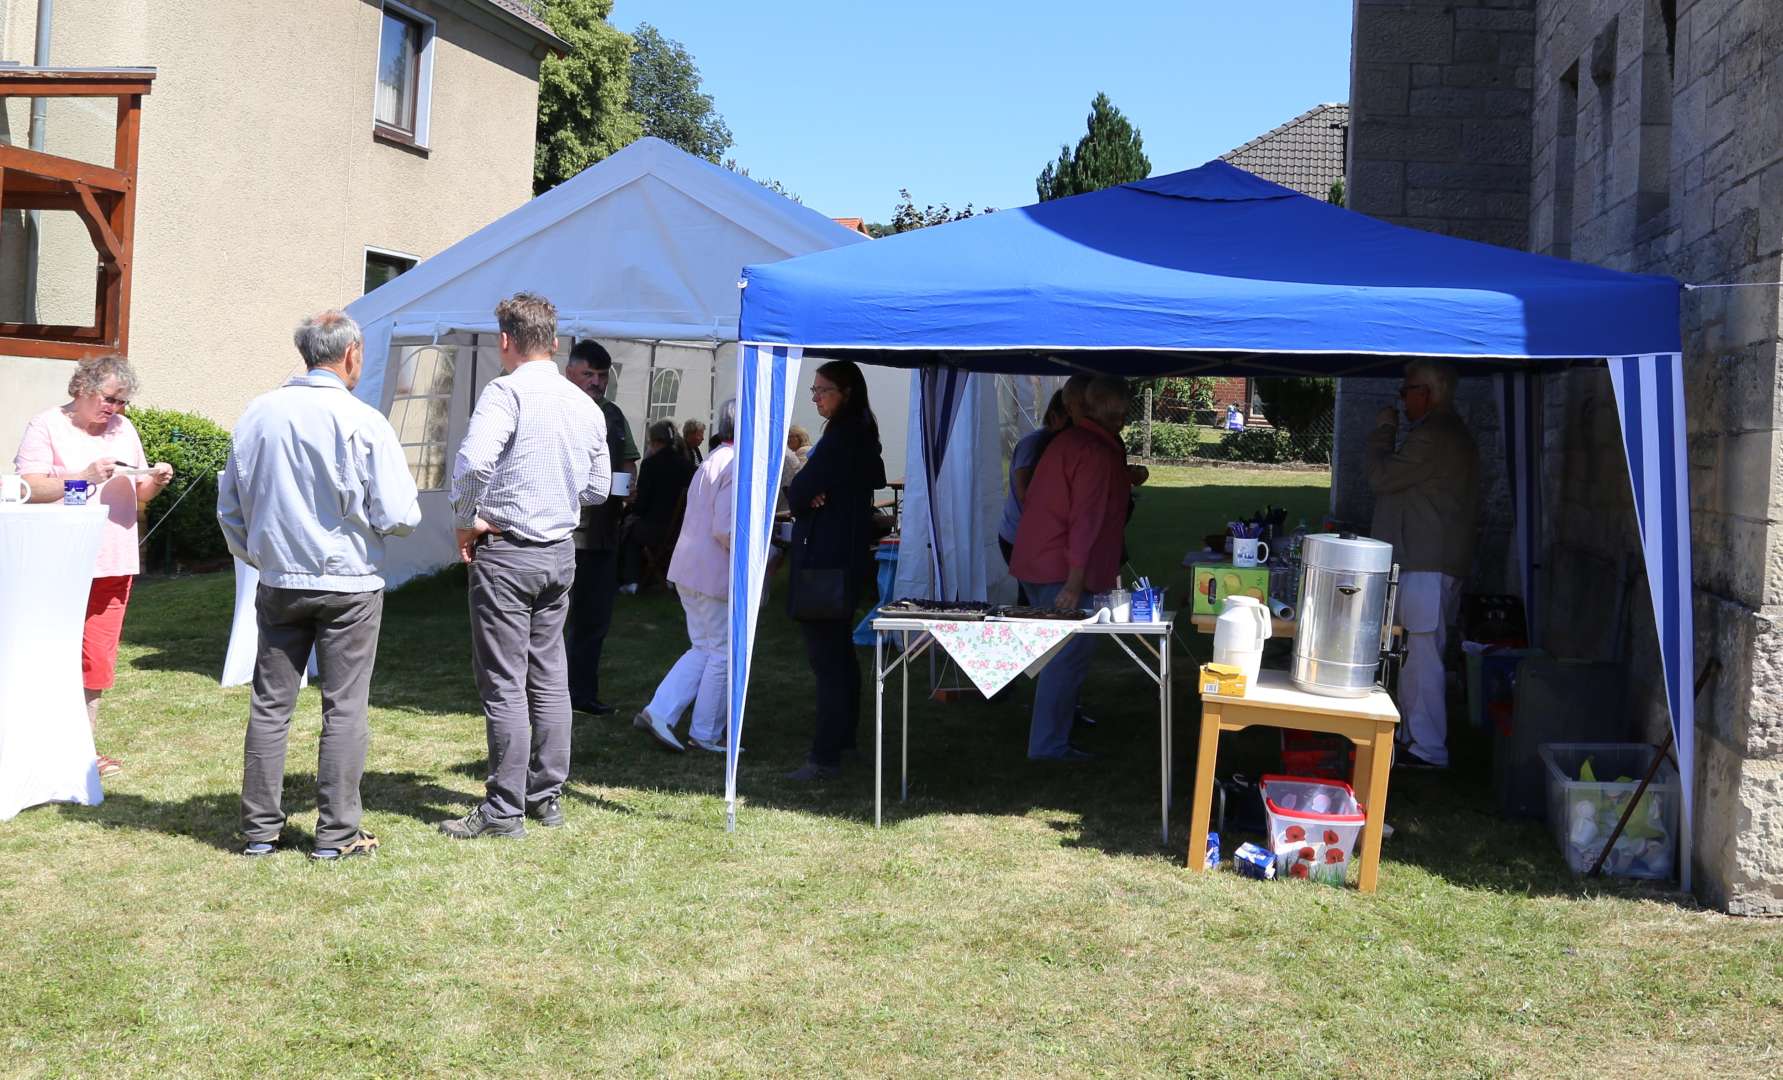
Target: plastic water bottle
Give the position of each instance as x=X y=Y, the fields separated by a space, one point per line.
x=1294 y=542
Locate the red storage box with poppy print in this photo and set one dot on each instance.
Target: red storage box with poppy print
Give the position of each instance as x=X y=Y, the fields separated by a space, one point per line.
x=1313 y=826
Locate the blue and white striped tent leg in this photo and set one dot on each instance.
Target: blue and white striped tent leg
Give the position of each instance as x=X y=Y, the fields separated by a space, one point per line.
x=1650 y=398
x=766 y=380
x=1519 y=407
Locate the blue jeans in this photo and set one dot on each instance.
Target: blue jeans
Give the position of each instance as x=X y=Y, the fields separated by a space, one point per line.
x=1055 y=691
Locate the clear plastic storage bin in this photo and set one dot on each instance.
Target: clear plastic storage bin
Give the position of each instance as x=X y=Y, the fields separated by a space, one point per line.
x=1313 y=825
x=1582 y=814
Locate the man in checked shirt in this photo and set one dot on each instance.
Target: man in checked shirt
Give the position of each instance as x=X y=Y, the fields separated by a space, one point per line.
x=535 y=454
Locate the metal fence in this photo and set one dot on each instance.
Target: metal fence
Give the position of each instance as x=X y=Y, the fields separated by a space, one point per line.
x=1163 y=426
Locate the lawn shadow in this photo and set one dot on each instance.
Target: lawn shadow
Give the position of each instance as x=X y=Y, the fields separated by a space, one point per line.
x=214 y=818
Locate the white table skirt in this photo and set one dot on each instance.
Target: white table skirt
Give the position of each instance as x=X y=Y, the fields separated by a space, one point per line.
x=47 y=554
x=244 y=632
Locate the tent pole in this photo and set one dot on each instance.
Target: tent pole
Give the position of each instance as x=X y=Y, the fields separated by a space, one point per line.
x=1702 y=680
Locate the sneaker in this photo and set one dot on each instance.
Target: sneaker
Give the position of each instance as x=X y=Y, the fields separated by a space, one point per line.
x=259 y=849
x=547 y=812
x=475 y=825
x=811 y=772
x=1069 y=754
x=363 y=844
x=109 y=766
x=629 y=589
x=593 y=708
x=662 y=732
x=709 y=745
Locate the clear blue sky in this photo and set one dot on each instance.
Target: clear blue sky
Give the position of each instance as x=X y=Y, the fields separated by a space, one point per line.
x=965 y=101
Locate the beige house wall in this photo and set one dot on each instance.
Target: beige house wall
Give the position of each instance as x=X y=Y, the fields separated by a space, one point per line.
x=261 y=184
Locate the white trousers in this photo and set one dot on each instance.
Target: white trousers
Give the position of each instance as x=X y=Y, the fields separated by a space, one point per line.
x=701 y=678
x=1428 y=602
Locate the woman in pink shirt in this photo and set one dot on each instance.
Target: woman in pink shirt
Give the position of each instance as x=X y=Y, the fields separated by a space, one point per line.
x=1068 y=545
x=701 y=573
x=90 y=439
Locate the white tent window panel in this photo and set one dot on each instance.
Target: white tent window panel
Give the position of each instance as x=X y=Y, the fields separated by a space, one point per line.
x=421 y=409
x=665 y=393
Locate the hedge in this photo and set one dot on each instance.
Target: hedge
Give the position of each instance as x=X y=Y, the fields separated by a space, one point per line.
x=196 y=448
x=1169 y=441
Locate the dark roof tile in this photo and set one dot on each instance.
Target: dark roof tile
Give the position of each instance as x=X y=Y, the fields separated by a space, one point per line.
x=1306 y=153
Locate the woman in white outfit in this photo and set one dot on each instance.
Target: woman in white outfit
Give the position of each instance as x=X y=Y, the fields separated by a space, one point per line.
x=700 y=572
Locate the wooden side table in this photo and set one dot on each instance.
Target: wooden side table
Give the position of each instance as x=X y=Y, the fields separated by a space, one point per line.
x=1274 y=701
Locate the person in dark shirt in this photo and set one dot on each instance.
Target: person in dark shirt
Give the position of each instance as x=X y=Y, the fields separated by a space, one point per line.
x=654 y=519
x=597 y=538
x=832 y=507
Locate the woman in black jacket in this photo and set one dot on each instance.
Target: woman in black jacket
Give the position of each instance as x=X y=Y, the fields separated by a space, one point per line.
x=832 y=506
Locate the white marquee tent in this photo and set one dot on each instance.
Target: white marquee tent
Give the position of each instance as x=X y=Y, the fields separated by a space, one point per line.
x=642 y=251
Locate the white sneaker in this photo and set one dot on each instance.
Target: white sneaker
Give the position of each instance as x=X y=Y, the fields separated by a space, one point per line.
x=660 y=731
x=709 y=745
x=629 y=590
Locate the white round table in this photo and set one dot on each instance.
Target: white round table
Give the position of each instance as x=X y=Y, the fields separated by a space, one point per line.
x=47 y=553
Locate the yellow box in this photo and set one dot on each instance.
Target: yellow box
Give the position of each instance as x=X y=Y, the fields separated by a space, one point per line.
x=1222 y=679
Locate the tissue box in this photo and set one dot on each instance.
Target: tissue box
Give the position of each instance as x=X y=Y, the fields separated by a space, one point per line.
x=1216 y=581
x=1223 y=679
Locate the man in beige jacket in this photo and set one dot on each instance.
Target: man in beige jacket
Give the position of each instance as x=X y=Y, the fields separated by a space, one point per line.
x=1427 y=493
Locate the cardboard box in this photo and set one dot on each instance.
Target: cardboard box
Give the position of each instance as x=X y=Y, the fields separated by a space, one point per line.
x=1216 y=581
x=1222 y=679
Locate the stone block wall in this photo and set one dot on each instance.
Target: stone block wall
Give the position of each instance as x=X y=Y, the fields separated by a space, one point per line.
x=1654 y=145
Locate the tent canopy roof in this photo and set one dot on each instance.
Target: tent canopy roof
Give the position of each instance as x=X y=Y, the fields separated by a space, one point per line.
x=1208 y=270
x=644 y=244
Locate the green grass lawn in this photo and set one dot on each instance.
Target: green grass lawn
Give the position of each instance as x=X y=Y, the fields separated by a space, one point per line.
x=1009 y=920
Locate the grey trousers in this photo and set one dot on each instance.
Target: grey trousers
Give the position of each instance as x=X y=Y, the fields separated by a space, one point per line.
x=519 y=597
x=343 y=629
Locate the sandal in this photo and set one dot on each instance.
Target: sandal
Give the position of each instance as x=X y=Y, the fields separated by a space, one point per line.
x=363 y=844
x=109 y=766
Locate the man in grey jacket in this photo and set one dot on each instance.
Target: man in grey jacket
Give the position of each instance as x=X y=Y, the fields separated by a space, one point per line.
x=1427 y=494
x=316 y=479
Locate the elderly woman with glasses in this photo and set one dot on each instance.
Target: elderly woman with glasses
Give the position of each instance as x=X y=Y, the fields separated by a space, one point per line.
x=91 y=439
x=1426 y=498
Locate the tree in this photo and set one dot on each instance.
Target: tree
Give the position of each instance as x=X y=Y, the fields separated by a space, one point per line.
x=771 y=184
x=1335 y=197
x=666 y=96
x=583 y=115
x=1110 y=153
x=907 y=218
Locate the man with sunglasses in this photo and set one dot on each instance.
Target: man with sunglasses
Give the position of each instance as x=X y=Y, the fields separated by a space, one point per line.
x=1427 y=494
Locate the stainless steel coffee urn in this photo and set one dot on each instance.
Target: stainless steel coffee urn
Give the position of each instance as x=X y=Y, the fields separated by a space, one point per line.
x=1346 y=587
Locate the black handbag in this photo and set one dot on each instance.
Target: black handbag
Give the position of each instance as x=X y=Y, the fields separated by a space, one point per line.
x=821 y=595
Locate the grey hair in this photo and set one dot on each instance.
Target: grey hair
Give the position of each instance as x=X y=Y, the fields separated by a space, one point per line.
x=724 y=428
x=90 y=375
x=1105 y=399
x=1440 y=374
x=662 y=431
x=325 y=338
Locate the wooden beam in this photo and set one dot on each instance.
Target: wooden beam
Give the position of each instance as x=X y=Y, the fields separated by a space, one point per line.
x=51 y=350
x=99 y=225
x=60 y=168
x=115 y=316
x=38 y=82
x=51 y=332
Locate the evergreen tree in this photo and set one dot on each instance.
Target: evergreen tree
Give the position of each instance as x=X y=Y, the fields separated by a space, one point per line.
x=1110 y=153
x=666 y=95
x=583 y=116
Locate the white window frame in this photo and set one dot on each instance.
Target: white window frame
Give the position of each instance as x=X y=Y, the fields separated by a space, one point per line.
x=370 y=250
x=423 y=75
x=652 y=405
x=398 y=401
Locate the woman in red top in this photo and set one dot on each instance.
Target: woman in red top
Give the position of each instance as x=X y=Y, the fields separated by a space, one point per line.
x=1069 y=544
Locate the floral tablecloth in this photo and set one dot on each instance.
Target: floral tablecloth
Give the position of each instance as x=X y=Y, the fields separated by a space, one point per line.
x=994 y=653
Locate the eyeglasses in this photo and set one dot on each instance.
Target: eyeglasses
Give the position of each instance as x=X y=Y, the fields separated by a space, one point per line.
x=115 y=402
x=1409 y=387
x=820 y=391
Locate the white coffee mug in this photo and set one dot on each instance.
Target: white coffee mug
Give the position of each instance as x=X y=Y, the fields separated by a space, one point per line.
x=621 y=484
x=1249 y=552
x=13 y=489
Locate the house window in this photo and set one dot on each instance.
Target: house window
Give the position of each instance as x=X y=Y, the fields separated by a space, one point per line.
x=405 y=76
x=382 y=266
x=421 y=409
x=665 y=391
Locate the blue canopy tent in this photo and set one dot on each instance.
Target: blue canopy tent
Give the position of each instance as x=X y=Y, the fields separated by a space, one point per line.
x=1215 y=271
